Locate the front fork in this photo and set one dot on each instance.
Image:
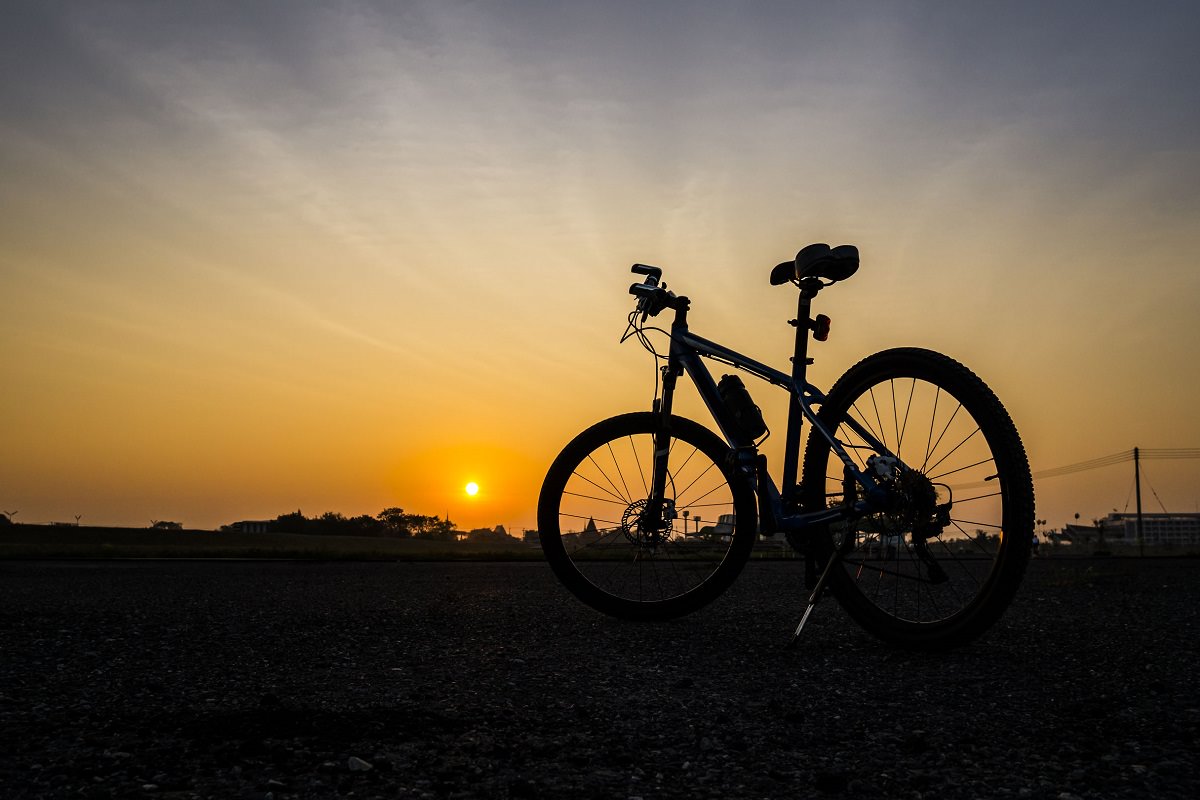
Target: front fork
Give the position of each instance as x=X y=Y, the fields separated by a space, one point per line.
x=659 y=513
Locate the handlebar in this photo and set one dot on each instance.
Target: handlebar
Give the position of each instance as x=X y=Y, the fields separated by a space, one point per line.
x=654 y=273
x=653 y=296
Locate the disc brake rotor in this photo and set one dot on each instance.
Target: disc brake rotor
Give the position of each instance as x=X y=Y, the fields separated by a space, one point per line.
x=643 y=531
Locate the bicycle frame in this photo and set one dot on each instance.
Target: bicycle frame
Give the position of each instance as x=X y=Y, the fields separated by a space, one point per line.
x=777 y=511
x=886 y=537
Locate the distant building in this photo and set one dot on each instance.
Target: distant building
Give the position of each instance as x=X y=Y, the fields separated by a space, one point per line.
x=1075 y=534
x=164 y=525
x=591 y=534
x=722 y=531
x=495 y=535
x=251 y=526
x=1157 y=529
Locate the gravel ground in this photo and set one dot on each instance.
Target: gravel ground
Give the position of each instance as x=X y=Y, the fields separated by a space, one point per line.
x=275 y=680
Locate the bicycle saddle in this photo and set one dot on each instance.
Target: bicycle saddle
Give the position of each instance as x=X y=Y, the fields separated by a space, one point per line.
x=818 y=261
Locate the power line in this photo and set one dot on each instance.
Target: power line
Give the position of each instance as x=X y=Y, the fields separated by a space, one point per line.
x=1171 y=452
x=1083 y=466
x=1159 y=453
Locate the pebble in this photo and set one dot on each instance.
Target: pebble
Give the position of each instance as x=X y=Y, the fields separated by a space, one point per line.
x=258 y=693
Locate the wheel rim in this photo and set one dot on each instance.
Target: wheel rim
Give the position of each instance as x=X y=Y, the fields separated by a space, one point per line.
x=921 y=561
x=625 y=547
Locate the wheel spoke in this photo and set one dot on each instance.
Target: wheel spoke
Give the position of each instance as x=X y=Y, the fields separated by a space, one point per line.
x=923 y=568
x=981 y=462
x=616 y=492
x=617 y=465
x=938 y=463
x=625 y=555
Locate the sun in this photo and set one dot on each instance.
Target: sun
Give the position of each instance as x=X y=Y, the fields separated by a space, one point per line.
x=472 y=488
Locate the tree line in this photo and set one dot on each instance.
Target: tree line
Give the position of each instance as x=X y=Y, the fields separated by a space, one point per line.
x=393 y=522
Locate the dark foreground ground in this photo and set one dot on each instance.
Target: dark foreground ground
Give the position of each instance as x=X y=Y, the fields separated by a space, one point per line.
x=255 y=680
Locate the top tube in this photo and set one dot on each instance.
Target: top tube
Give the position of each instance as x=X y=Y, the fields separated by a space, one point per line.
x=769 y=374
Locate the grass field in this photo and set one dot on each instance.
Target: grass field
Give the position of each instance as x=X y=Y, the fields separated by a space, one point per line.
x=44 y=541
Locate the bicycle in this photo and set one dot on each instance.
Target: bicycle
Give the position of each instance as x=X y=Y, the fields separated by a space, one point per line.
x=913 y=503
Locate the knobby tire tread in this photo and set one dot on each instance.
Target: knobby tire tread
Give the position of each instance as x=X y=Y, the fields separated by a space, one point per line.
x=618 y=427
x=1010 y=565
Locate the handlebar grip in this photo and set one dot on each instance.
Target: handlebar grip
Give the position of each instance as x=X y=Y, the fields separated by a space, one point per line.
x=653 y=273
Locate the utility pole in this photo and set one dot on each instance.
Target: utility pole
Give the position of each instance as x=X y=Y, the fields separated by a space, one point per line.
x=1137 y=479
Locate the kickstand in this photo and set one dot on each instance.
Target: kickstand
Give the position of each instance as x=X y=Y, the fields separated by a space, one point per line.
x=813 y=598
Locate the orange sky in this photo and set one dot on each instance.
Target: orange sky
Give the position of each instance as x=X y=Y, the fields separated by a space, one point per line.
x=264 y=258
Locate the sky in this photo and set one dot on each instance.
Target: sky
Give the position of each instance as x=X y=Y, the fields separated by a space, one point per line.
x=260 y=257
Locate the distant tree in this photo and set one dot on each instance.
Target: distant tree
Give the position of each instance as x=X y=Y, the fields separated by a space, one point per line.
x=330 y=523
x=365 y=525
x=425 y=527
x=389 y=522
x=394 y=522
x=495 y=535
x=397 y=523
x=290 y=523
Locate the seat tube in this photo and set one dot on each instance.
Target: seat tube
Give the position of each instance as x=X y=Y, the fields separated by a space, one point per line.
x=791 y=453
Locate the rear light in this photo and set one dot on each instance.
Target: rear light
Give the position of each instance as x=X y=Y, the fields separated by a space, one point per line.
x=820 y=328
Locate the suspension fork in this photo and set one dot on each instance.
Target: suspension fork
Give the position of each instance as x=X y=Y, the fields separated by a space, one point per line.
x=653 y=516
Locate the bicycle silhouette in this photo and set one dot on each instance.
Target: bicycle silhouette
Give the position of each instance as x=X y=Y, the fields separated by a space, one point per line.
x=913 y=503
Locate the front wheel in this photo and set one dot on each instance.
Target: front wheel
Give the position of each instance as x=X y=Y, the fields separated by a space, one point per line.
x=633 y=556
x=942 y=560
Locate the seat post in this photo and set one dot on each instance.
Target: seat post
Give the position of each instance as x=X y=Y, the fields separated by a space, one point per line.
x=803 y=325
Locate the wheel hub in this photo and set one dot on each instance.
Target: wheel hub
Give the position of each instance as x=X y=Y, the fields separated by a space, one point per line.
x=917 y=495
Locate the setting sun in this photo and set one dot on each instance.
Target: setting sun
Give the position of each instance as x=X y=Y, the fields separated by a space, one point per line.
x=472 y=488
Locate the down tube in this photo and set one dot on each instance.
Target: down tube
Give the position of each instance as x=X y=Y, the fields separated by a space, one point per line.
x=707 y=387
x=691 y=347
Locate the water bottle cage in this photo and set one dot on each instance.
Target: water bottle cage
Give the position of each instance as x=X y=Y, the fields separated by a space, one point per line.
x=741 y=406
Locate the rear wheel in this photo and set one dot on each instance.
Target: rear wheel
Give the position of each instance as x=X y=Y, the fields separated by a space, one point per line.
x=608 y=546
x=944 y=560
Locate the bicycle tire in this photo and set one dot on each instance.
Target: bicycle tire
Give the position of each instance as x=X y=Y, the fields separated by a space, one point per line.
x=589 y=527
x=967 y=451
